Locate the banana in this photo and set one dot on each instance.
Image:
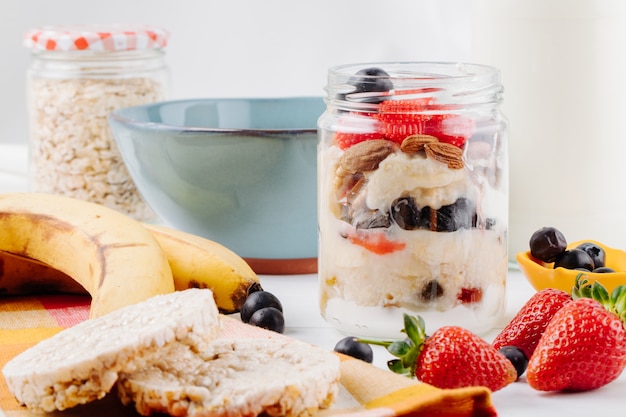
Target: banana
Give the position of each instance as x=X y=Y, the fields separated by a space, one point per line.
x=19 y=275
x=203 y=263
x=112 y=256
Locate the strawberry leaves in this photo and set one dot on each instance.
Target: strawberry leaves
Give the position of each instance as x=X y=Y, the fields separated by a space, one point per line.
x=407 y=351
x=614 y=302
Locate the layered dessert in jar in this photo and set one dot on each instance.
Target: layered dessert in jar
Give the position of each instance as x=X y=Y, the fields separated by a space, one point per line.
x=412 y=200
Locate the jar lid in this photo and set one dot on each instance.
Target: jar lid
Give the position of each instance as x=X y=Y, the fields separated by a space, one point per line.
x=96 y=38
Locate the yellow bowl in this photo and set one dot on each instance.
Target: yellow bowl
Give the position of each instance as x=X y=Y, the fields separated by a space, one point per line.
x=543 y=275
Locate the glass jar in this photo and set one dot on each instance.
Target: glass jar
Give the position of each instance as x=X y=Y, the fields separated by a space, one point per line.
x=413 y=197
x=77 y=77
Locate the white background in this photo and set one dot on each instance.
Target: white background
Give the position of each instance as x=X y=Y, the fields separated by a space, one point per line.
x=237 y=48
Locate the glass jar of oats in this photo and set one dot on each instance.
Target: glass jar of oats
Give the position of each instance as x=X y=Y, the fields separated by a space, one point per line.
x=78 y=75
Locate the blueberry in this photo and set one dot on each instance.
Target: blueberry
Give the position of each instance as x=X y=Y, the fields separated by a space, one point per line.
x=405 y=213
x=547 y=243
x=269 y=318
x=352 y=347
x=371 y=219
x=370 y=80
x=517 y=357
x=455 y=216
x=596 y=252
x=573 y=259
x=256 y=301
x=432 y=290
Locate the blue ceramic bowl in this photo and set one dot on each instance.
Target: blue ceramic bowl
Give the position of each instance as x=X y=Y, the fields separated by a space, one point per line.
x=242 y=172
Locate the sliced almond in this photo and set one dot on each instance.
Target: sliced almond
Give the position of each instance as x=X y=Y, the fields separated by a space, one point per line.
x=415 y=143
x=365 y=156
x=445 y=153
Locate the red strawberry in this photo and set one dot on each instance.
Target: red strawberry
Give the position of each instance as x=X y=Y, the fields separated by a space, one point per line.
x=346 y=139
x=584 y=345
x=402 y=118
x=353 y=128
x=375 y=241
x=526 y=328
x=452 y=357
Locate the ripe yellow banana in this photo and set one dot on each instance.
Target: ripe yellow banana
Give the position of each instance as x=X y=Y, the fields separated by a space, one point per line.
x=19 y=275
x=112 y=256
x=203 y=263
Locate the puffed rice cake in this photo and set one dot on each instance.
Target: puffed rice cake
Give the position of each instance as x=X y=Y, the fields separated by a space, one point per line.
x=236 y=378
x=82 y=363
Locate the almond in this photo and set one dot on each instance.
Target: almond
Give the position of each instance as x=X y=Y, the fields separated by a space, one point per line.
x=415 y=143
x=365 y=156
x=446 y=153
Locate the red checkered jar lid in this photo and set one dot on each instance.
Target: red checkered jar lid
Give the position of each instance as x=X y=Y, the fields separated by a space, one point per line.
x=109 y=38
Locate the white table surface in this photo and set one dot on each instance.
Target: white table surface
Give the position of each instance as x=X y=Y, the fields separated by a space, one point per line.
x=298 y=294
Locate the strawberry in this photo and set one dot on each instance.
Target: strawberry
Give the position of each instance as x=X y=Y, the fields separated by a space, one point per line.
x=402 y=118
x=374 y=241
x=353 y=128
x=584 y=345
x=453 y=357
x=527 y=326
x=346 y=139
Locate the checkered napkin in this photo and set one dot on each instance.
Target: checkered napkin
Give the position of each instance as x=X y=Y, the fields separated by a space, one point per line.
x=365 y=390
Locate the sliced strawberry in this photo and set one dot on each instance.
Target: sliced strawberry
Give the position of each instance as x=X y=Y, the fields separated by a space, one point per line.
x=375 y=241
x=470 y=295
x=353 y=128
x=346 y=139
x=402 y=118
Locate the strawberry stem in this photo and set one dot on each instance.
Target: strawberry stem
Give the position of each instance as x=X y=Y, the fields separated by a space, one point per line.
x=614 y=302
x=407 y=351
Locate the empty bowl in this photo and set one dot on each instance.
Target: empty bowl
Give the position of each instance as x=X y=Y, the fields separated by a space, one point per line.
x=241 y=172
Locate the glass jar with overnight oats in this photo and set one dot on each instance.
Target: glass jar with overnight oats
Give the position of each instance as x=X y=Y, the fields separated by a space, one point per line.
x=413 y=197
x=78 y=75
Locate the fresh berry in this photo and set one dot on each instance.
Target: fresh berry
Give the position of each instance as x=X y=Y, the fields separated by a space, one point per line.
x=470 y=295
x=375 y=241
x=402 y=118
x=574 y=259
x=547 y=243
x=352 y=347
x=517 y=357
x=455 y=216
x=269 y=318
x=256 y=301
x=597 y=254
x=369 y=80
x=452 y=357
x=405 y=213
x=431 y=291
x=345 y=140
x=527 y=326
x=584 y=345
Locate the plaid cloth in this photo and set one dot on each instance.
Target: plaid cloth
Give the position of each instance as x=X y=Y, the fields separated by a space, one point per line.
x=365 y=390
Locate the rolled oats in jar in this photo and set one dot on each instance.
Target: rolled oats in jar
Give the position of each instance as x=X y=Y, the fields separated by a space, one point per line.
x=413 y=197
x=79 y=75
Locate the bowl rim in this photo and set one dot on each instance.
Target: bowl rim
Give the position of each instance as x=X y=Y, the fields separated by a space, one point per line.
x=119 y=116
x=541 y=274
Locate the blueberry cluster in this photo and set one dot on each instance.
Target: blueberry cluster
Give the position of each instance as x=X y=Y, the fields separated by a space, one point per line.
x=407 y=215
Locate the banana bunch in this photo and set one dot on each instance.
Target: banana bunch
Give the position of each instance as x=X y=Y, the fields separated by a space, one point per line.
x=51 y=243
